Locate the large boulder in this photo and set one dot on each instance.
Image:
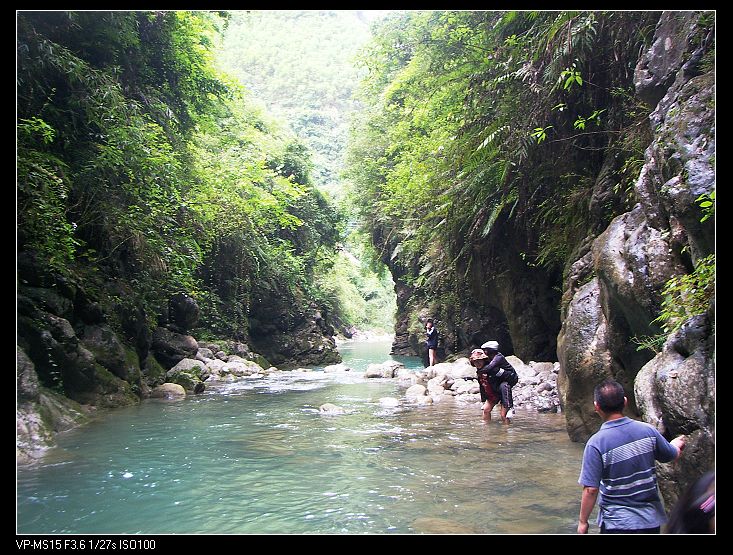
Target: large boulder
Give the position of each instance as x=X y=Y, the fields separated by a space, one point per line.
x=26 y=380
x=658 y=66
x=63 y=363
x=170 y=347
x=676 y=393
x=614 y=286
x=109 y=351
x=585 y=360
x=416 y=390
x=289 y=336
x=188 y=373
x=331 y=409
x=387 y=369
x=40 y=413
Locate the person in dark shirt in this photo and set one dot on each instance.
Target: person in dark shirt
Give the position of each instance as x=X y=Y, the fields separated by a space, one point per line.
x=495 y=377
x=502 y=377
x=694 y=512
x=431 y=341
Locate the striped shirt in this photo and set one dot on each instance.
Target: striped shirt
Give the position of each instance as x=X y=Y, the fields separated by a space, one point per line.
x=619 y=461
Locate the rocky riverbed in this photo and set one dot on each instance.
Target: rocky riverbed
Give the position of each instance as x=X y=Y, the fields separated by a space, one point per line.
x=536 y=390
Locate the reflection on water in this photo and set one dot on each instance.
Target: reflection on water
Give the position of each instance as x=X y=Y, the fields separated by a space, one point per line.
x=257 y=457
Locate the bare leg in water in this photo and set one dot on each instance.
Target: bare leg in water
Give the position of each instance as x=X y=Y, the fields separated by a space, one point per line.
x=487 y=407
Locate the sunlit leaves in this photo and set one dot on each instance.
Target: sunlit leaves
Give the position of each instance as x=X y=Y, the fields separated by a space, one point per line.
x=570 y=76
x=540 y=133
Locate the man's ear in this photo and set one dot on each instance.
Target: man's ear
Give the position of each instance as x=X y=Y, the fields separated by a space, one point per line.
x=626 y=402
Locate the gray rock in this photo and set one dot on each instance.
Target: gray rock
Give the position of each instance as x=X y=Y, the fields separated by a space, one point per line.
x=241 y=349
x=386 y=369
x=638 y=253
x=241 y=368
x=170 y=347
x=658 y=67
x=416 y=390
x=676 y=394
x=204 y=355
x=50 y=300
x=585 y=360
x=109 y=351
x=37 y=423
x=168 y=391
x=27 y=380
x=461 y=369
x=189 y=365
x=544 y=387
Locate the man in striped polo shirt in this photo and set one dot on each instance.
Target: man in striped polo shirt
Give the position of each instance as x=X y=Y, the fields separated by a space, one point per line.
x=618 y=461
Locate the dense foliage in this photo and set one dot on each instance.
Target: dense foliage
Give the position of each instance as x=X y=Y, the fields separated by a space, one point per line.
x=477 y=116
x=145 y=172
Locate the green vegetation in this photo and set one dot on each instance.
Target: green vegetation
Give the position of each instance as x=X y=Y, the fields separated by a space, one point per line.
x=143 y=171
x=688 y=295
x=300 y=65
x=470 y=117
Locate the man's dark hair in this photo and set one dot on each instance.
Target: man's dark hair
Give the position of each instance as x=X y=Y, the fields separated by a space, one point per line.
x=609 y=394
x=429 y=320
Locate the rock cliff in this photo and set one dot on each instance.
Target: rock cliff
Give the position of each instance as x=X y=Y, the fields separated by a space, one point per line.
x=613 y=289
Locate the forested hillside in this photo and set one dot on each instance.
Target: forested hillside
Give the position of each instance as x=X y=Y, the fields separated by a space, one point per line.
x=300 y=65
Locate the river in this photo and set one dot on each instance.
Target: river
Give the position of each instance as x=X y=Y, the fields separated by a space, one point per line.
x=257 y=457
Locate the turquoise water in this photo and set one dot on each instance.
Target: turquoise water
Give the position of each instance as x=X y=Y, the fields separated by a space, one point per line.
x=258 y=457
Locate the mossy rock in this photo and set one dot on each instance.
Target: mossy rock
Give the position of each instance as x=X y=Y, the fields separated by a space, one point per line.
x=262 y=361
x=153 y=371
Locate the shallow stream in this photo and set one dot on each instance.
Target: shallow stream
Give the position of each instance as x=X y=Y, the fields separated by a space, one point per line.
x=257 y=457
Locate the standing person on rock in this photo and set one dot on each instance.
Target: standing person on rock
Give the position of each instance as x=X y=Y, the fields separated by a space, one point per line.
x=502 y=377
x=618 y=462
x=431 y=341
x=490 y=390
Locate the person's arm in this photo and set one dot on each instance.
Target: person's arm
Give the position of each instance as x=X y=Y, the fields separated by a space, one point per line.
x=587 y=502
x=668 y=451
x=491 y=368
x=679 y=442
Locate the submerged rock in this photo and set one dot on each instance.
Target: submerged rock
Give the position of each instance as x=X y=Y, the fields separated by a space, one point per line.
x=341 y=367
x=387 y=369
x=330 y=408
x=433 y=525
